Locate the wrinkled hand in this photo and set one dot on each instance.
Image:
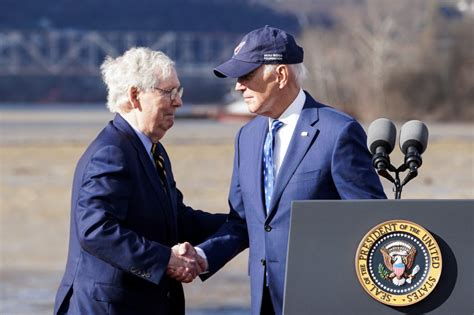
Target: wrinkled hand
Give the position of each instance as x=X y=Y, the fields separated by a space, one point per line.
x=185 y=264
x=188 y=250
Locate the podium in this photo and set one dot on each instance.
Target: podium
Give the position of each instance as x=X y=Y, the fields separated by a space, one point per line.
x=324 y=240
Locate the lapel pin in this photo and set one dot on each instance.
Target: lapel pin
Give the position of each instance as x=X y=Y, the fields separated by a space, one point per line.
x=304 y=133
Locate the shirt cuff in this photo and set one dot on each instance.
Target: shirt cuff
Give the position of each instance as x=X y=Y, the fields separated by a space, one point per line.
x=201 y=253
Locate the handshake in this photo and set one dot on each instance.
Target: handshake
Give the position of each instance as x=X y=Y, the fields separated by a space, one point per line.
x=185 y=263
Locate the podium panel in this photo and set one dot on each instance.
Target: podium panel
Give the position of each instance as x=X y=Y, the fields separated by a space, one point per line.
x=324 y=237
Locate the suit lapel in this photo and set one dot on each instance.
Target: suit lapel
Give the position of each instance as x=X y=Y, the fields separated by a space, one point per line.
x=147 y=164
x=255 y=158
x=169 y=178
x=303 y=136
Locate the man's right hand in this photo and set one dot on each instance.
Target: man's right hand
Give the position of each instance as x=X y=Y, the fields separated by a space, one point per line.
x=185 y=264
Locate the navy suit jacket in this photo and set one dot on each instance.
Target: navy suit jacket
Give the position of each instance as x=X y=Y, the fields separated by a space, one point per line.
x=122 y=227
x=327 y=158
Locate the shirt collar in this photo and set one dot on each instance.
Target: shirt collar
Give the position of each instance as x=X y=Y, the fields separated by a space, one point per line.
x=143 y=138
x=292 y=113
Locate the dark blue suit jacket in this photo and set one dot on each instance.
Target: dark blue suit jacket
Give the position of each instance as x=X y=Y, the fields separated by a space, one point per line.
x=122 y=227
x=330 y=162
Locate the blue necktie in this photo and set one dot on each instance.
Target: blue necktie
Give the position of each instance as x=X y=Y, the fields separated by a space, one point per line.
x=268 y=165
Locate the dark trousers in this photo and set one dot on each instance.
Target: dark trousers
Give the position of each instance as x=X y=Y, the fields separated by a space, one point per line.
x=267 y=306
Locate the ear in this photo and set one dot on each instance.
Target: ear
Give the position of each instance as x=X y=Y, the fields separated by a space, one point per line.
x=282 y=73
x=133 y=97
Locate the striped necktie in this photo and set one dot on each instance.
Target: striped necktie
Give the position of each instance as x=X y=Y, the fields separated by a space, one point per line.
x=159 y=164
x=268 y=165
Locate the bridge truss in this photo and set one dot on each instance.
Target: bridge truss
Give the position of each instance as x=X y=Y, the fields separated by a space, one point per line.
x=80 y=53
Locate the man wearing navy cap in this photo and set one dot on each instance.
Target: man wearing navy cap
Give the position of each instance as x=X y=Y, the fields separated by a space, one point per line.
x=295 y=149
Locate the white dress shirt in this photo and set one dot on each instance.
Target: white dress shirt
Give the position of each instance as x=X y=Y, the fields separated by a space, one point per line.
x=289 y=118
x=144 y=140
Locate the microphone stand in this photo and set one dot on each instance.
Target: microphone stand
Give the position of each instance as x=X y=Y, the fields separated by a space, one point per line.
x=398 y=186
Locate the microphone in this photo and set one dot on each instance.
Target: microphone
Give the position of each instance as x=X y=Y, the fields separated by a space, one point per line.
x=413 y=142
x=381 y=141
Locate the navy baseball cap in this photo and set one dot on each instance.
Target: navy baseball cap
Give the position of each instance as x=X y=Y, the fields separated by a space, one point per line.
x=266 y=45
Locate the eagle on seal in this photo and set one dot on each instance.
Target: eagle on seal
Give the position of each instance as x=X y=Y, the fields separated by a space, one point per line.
x=398 y=257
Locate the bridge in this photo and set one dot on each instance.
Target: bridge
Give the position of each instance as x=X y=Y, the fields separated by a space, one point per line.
x=80 y=53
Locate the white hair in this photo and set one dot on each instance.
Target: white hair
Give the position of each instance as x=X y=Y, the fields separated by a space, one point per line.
x=138 y=67
x=299 y=70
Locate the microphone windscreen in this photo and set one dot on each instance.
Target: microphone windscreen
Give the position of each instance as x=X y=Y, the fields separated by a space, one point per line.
x=414 y=133
x=382 y=132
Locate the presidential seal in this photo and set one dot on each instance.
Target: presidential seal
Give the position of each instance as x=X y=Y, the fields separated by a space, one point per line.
x=398 y=263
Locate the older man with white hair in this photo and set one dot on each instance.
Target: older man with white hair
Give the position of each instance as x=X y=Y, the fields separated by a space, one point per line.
x=126 y=212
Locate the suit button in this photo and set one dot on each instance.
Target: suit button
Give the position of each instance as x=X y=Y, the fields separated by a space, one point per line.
x=147 y=275
x=134 y=270
x=268 y=228
x=263 y=262
x=168 y=294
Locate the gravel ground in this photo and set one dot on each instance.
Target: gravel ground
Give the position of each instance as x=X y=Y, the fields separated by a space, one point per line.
x=38 y=152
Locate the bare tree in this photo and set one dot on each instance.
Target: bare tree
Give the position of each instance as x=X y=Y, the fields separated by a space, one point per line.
x=360 y=54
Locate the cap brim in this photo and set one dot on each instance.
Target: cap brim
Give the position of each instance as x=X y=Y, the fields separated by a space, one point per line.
x=234 y=68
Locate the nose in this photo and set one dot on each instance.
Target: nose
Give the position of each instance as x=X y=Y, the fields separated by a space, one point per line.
x=239 y=86
x=177 y=102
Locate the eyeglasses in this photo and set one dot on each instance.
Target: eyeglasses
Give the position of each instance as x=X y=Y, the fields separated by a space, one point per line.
x=172 y=93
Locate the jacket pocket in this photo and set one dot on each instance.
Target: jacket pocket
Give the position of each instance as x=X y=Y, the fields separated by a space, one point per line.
x=109 y=293
x=306 y=176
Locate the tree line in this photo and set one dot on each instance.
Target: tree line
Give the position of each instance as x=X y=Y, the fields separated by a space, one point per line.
x=398 y=59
